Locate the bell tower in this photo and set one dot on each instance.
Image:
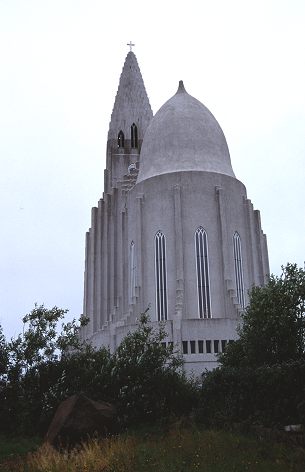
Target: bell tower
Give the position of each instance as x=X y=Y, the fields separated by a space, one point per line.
x=130 y=117
x=106 y=286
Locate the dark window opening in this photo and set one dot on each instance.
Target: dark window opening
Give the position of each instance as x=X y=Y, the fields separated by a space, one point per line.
x=200 y=347
x=160 y=270
x=121 y=139
x=163 y=345
x=208 y=346
x=203 y=278
x=170 y=344
x=134 y=136
x=184 y=347
x=216 y=346
x=239 y=278
x=223 y=345
x=193 y=348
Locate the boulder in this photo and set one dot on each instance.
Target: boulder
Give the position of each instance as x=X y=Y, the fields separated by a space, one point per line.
x=77 y=418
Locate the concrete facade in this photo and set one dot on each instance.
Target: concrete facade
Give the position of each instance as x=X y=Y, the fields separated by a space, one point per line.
x=170 y=175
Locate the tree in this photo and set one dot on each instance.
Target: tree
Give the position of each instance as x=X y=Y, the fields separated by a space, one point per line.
x=48 y=363
x=273 y=325
x=31 y=363
x=148 y=377
x=43 y=340
x=261 y=378
x=3 y=353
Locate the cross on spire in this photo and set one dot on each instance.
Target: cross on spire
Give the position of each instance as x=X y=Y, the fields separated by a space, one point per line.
x=130 y=44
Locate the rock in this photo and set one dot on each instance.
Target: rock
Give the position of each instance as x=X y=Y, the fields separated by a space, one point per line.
x=78 y=418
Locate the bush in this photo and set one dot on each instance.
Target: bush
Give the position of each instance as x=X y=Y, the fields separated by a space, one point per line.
x=269 y=395
x=273 y=325
x=148 y=377
x=261 y=378
x=143 y=378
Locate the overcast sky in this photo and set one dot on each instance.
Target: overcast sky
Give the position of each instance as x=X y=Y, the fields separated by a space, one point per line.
x=60 y=65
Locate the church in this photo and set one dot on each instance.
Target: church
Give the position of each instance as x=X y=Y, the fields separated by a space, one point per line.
x=174 y=230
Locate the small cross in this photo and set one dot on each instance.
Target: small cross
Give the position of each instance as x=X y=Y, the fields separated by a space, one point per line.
x=130 y=44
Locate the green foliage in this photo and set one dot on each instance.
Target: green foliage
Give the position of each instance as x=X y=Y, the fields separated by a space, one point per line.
x=148 y=377
x=86 y=370
x=194 y=450
x=42 y=340
x=176 y=450
x=34 y=361
x=268 y=395
x=262 y=374
x=16 y=446
x=273 y=325
x=48 y=363
x=4 y=355
x=261 y=378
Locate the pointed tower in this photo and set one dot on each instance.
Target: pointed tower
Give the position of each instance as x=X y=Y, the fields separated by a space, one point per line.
x=105 y=298
x=130 y=117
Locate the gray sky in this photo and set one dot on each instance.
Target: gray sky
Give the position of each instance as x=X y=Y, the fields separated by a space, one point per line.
x=60 y=65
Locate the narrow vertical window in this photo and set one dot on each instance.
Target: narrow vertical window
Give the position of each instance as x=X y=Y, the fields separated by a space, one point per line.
x=132 y=272
x=121 y=139
x=239 y=278
x=203 y=276
x=160 y=271
x=134 y=136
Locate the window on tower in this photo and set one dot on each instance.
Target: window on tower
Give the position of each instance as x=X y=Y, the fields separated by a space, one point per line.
x=203 y=276
x=160 y=272
x=121 y=139
x=132 y=272
x=134 y=136
x=239 y=278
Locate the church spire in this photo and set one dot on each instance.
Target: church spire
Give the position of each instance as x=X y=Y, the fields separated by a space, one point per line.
x=131 y=104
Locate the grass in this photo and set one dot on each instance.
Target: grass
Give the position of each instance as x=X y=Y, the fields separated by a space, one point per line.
x=12 y=448
x=179 y=450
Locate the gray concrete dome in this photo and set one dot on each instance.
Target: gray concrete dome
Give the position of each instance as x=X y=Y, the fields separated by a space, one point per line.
x=184 y=136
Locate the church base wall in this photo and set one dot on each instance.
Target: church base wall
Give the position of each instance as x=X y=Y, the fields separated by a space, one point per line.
x=200 y=340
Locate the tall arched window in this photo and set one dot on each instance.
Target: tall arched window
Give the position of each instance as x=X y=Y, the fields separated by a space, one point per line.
x=134 y=136
x=132 y=272
x=121 y=139
x=238 y=264
x=160 y=272
x=203 y=276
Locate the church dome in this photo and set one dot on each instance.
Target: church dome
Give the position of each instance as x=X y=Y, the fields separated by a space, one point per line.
x=183 y=136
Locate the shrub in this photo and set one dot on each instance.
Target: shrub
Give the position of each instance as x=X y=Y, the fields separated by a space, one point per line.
x=269 y=395
x=143 y=378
